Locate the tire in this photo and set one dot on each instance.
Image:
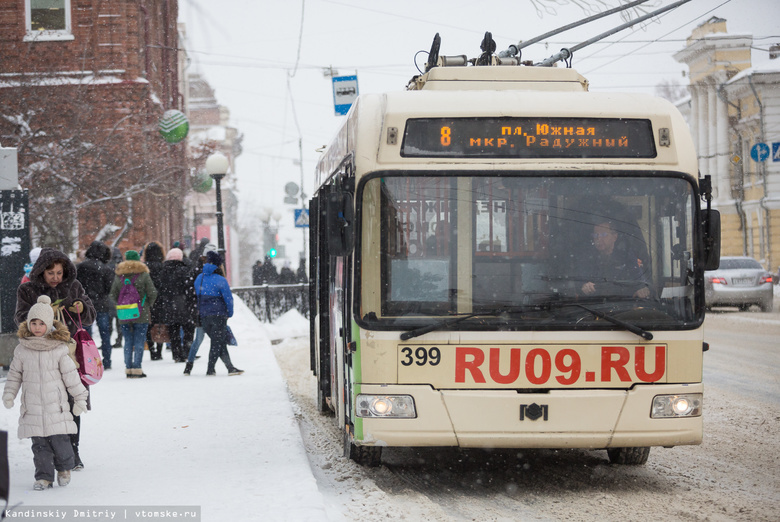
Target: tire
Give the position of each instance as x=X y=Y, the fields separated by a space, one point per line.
x=767 y=307
x=369 y=456
x=628 y=456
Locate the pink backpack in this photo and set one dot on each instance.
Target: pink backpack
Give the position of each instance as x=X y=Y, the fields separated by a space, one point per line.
x=87 y=356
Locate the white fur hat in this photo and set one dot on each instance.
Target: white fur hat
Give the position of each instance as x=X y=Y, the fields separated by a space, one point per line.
x=42 y=310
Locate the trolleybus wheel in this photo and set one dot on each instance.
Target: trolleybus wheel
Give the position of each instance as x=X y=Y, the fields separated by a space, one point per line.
x=322 y=400
x=369 y=456
x=629 y=456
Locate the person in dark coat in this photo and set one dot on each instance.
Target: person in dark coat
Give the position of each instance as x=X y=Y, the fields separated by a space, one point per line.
x=96 y=277
x=176 y=302
x=154 y=256
x=286 y=275
x=116 y=258
x=54 y=275
x=300 y=275
x=257 y=273
x=269 y=274
x=199 y=251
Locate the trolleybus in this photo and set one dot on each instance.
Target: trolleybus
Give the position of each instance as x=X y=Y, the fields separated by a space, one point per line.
x=461 y=292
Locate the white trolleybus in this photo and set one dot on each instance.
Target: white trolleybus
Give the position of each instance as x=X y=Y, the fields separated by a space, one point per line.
x=502 y=259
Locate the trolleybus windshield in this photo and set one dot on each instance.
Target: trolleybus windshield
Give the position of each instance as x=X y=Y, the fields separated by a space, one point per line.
x=459 y=244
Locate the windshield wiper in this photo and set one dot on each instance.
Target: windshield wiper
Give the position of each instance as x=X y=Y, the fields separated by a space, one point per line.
x=441 y=325
x=618 y=322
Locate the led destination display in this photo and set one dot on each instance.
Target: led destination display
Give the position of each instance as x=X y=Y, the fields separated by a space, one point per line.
x=528 y=138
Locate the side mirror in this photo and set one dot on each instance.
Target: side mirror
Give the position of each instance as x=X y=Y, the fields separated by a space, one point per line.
x=710 y=224
x=339 y=221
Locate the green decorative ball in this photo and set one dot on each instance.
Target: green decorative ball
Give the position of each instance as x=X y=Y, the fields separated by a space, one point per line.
x=174 y=126
x=202 y=182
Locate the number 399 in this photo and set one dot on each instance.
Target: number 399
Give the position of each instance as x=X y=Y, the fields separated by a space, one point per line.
x=420 y=356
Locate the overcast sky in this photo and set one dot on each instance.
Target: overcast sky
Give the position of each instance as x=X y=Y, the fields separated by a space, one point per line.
x=248 y=50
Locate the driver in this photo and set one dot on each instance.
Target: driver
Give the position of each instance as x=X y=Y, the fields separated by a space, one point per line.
x=613 y=271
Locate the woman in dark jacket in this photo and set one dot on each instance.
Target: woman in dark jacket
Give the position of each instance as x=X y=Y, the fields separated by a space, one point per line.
x=96 y=277
x=153 y=258
x=176 y=302
x=55 y=275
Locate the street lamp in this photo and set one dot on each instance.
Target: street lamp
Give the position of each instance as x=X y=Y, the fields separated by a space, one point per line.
x=216 y=167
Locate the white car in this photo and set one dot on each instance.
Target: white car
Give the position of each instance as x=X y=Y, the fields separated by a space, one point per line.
x=741 y=282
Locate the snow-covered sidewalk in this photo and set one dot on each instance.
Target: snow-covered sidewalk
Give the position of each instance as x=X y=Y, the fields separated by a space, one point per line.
x=228 y=445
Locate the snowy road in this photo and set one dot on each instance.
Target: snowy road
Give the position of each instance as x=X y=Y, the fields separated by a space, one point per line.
x=733 y=475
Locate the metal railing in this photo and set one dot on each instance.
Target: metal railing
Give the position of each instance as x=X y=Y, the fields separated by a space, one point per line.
x=269 y=302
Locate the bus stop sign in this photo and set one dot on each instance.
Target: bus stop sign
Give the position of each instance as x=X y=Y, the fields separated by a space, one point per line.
x=345 y=91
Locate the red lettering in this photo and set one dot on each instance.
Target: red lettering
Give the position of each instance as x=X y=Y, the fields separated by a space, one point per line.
x=641 y=367
x=530 y=363
x=608 y=363
x=472 y=365
x=574 y=366
x=495 y=366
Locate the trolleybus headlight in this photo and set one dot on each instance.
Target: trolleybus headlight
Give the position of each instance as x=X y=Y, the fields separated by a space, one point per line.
x=386 y=406
x=671 y=406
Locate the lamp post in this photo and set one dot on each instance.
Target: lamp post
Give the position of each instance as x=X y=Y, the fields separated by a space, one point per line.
x=216 y=167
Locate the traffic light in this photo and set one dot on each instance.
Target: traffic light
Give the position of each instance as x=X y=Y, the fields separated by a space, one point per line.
x=272 y=253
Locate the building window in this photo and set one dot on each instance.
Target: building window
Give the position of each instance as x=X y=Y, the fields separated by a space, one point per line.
x=48 y=20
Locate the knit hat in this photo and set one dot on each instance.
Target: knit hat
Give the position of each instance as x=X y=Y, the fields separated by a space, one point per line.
x=210 y=247
x=42 y=310
x=34 y=253
x=132 y=255
x=174 y=254
x=213 y=258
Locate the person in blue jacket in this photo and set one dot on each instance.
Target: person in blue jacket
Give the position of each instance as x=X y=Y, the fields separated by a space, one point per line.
x=215 y=305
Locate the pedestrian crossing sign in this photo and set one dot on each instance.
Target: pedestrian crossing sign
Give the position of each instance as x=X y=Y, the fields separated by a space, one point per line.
x=302 y=217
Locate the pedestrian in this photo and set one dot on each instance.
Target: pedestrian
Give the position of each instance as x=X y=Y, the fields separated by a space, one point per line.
x=199 y=333
x=154 y=256
x=269 y=274
x=300 y=274
x=199 y=250
x=42 y=368
x=286 y=275
x=133 y=271
x=257 y=273
x=34 y=253
x=54 y=275
x=215 y=306
x=176 y=301
x=96 y=277
x=116 y=258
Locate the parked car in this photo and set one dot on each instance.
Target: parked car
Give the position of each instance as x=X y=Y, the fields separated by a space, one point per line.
x=741 y=282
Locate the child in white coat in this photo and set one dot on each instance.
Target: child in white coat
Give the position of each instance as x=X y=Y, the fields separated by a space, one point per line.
x=43 y=368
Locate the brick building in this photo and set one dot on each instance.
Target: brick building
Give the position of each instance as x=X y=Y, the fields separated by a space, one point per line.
x=83 y=85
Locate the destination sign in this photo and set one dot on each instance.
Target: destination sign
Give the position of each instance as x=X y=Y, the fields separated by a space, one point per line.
x=499 y=137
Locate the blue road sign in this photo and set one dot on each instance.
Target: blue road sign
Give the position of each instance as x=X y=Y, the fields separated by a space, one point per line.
x=759 y=152
x=776 y=151
x=302 y=217
x=345 y=92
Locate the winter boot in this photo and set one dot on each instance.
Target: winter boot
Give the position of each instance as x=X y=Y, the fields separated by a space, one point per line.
x=63 y=478
x=40 y=485
x=187 y=368
x=139 y=373
x=78 y=465
x=232 y=370
x=130 y=373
